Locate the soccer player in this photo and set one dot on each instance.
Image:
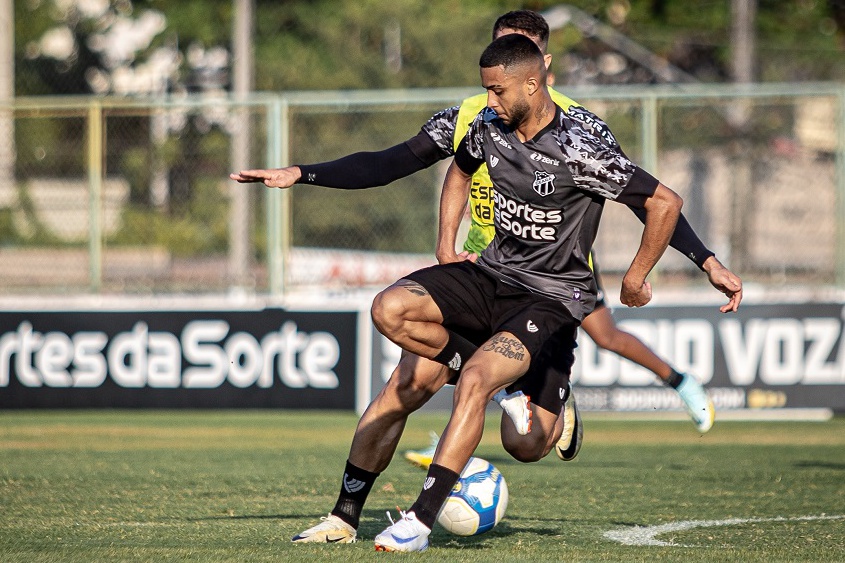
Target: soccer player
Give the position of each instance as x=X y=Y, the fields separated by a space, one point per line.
x=436 y=141
x=551 y=169
x=415 y=380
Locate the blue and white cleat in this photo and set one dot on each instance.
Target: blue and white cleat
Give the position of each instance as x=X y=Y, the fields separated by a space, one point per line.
x=423 y=458
x=331 y=529
x=698 y=403
x=569 y=443
x=406 y=534
x=516 y=406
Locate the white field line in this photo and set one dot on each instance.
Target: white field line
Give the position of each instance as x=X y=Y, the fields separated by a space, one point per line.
x=647 y=535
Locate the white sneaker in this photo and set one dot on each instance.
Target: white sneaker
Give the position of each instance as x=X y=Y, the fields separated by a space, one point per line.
x=517 y=408
x=698 y=403
x=569 y=443
x=406 y=534
x=331 y=529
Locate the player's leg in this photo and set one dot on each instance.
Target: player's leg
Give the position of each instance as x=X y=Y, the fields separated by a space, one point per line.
x=534 y=446
x=498 y=362
x=600 y=326
x=410 y=386
x=556 y=423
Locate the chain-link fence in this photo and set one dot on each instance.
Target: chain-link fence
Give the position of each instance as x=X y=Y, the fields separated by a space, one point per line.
x=130 y=196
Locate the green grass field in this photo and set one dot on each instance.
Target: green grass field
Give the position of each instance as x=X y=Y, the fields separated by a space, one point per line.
x=235 y=486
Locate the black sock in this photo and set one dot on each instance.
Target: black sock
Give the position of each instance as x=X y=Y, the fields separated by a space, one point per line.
x=675 y=379
x=456 y=352
x=438 y=485
x=354 y=490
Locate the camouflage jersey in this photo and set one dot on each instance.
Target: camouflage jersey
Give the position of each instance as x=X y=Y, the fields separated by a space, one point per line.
x=447 y=128
x=549 y=192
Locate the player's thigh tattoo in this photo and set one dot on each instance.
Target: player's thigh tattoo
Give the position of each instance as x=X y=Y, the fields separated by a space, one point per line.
x=413 y=287
x=505 y=346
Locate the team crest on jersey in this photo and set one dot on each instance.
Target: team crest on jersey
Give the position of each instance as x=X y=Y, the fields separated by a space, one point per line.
x=544 y=182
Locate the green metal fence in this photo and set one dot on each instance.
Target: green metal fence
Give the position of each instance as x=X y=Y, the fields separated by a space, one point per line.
x=131 y=196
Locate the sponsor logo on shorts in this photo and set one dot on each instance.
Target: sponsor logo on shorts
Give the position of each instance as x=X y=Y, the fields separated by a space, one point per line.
x=455 y=363
x=561 y=392
x=544 y=183
x=531 y=326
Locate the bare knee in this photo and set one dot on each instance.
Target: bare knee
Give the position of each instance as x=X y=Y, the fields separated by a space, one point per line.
x=388 y=311
x=413 y=382
x=473 y=387
x=526 y=449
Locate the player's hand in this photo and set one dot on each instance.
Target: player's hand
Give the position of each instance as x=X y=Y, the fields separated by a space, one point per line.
x=635 y=295
x=272 y=178
x=447 y=257
x=467 y=255
x=725 y=281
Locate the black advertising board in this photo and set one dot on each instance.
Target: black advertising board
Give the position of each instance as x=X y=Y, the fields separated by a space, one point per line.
x=763 y=357
x=266 y=358
x=777 y=356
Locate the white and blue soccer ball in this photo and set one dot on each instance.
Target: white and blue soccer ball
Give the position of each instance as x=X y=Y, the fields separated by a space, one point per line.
x=477 y=502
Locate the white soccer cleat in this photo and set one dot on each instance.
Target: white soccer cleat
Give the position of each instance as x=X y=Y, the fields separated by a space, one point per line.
x=406 y=534
x=517 y=408
x=698 y=403
x=569 y=443
x=331 y=529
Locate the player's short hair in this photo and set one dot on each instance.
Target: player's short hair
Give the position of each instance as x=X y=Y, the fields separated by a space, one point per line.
x=530 y=23
x=512 y=50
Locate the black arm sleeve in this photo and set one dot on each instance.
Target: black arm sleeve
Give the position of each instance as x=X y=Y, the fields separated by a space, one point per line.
x=371 y=169
x=684 y=239
x=465 y=161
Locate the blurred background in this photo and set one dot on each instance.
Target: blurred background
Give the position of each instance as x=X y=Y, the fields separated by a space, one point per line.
x=120 y=121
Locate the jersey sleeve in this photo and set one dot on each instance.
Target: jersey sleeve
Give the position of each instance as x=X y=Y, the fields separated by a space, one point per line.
x=597 y=162
x=470 y=153
x=441 y=129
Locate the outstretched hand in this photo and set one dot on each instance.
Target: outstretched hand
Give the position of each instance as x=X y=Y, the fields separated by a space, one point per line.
x=725 y=281
x=272 y=178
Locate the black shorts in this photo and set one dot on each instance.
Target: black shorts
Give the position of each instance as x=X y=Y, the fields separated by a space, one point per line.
x=477 y=305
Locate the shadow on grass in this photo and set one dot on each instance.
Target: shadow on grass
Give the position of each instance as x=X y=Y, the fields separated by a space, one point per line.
x=814 y=464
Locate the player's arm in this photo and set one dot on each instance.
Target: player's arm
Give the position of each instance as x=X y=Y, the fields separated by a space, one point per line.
x=453 y=202
x=355 y=171
x=662 y=209
x=368 y=169
x=686 y=241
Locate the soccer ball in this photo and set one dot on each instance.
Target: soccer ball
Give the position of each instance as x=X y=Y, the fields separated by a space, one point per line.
x=477 y=502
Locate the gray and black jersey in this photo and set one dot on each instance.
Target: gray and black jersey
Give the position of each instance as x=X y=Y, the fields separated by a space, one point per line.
x=548 y=197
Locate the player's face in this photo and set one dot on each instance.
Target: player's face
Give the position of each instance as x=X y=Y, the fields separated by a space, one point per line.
x=506 y=94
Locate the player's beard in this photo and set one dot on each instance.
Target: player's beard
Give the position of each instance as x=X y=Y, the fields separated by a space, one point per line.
x=518 y=113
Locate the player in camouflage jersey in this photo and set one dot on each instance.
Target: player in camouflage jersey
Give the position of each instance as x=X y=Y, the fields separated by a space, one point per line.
x=436 y=141
x=500 y=320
